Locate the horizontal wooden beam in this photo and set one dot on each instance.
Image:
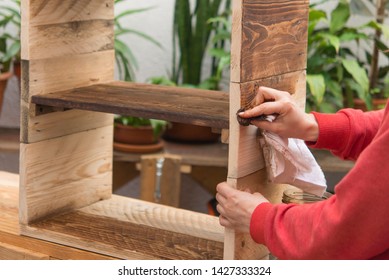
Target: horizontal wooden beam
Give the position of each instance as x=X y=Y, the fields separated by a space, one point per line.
x=177 y=104
x=132 y=229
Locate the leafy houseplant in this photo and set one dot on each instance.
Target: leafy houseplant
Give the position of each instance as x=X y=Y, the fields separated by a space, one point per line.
x=10 y=43
x=339 y=57
x=126 y=64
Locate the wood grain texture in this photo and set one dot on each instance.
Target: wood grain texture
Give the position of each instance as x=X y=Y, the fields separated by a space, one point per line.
x=270 y=39
x=64 y=173
x=44 y=12
x=57 y=28
x=10 y=252
x=241 y=246
x=161 y=179
x=245 y=156
x=26 y=247
x=185 y=105
x=132 y=229
x=47 y=75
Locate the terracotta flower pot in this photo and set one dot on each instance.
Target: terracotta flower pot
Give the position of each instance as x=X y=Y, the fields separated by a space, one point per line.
x=142 y=135
x=377 y=104
x=136 y=139
x=3 y=84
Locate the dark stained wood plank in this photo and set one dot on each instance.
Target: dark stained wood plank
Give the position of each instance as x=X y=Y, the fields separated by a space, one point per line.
x=185 y=105
x=274 y=38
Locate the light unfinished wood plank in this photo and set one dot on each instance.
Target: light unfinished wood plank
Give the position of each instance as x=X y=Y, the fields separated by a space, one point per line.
x=133 y=229
x=70 y=38
x=65 y=173
x=184 y=105
x=10 y=252
x=50 y=29
x=43 y=12
x=245 y=156
x=43 y=76
x=9 y=226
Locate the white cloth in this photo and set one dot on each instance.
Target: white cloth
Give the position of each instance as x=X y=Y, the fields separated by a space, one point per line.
x=289 y=161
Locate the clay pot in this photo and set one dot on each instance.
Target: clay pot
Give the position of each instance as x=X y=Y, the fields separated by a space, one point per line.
x=3 y=84
x=142 y=135
x=378 y=103
x=190 y=133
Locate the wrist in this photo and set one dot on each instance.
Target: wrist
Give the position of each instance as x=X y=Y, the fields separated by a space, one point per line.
x=312 y=129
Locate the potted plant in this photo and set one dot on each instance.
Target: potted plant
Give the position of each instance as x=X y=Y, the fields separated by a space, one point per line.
x=138 y=135
x=195 y=32
x=339 y=57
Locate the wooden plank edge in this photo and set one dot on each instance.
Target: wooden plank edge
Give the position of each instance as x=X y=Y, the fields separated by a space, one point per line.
x=107 y=228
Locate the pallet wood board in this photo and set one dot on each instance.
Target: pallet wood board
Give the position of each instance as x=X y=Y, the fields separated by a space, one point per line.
x=269 y=38
x=16 y=246
x=54 y=28
x=132 y=229
x=64 y=73
x=185 y=105
x=65 y=173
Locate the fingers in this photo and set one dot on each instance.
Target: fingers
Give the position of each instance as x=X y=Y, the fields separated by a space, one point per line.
x=266 y=108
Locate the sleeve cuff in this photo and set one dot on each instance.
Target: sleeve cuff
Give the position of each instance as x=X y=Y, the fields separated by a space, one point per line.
x=332 y=132
x=257 y=223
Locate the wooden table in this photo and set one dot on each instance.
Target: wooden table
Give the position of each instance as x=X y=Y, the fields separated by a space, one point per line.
x=13 y=246
x=206 y=163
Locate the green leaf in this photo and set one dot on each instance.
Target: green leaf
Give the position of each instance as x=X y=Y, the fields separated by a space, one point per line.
x=123 y=31
x=316 y=86
x=131 y=12
x=339 y=16
x=333 y=40
x=358 y=73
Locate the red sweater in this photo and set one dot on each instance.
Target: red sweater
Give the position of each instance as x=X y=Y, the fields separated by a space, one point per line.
x=353 y=223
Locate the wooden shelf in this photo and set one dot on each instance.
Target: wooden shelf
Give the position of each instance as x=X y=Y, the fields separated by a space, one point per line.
x=177 y=104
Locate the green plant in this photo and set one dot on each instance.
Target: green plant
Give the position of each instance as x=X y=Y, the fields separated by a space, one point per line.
x=158 y=125
x=192 y=30
x=339 y=57
x=125 y=59
x=9 y=43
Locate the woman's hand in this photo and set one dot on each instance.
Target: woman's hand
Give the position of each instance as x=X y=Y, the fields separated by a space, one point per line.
x=291 y=121
x=236 y=207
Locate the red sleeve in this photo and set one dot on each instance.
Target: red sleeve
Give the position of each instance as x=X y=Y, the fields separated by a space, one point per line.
x=352 y=224
x=347 y=133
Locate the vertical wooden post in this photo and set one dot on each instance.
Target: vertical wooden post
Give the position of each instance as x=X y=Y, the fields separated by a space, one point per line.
x=66 y=157
x=269 y=45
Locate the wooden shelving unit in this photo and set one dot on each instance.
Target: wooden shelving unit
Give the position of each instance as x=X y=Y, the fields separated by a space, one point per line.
x=66 y=155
